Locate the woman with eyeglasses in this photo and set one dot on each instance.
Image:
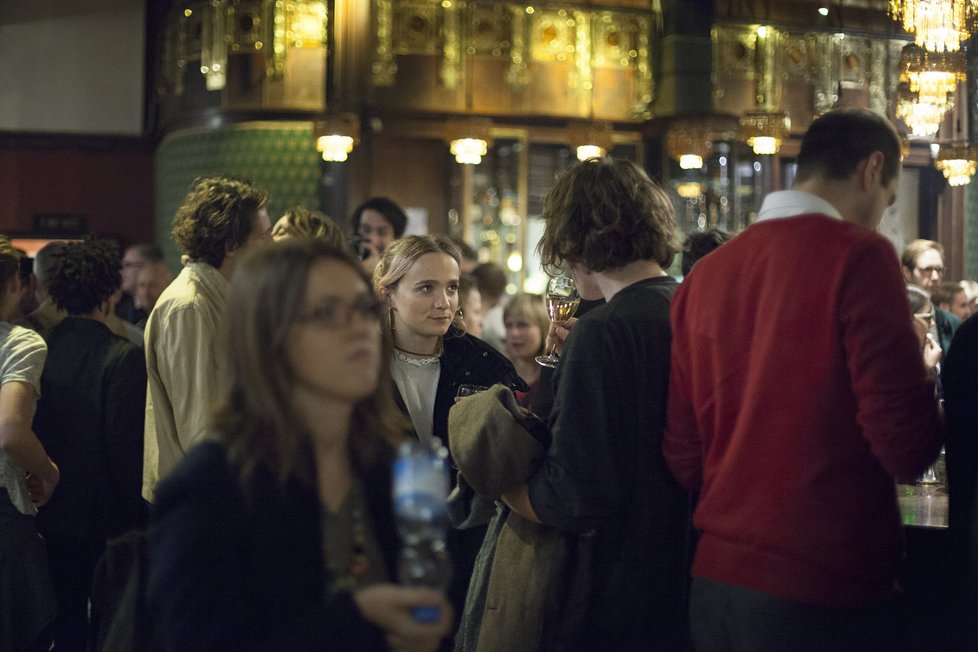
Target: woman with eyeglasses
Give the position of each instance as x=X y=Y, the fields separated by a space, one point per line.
x=418 y=279
x=276 y=531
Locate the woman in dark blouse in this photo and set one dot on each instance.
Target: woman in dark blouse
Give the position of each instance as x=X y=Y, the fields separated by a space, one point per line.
x=276 y=532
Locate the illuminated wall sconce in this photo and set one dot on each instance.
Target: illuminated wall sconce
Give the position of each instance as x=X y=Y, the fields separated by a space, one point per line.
x=957 y=162
x=469 y=140
x=590 y=139
x=689 y=141
x=469 y=151
x=764 y=130
x=336 y=135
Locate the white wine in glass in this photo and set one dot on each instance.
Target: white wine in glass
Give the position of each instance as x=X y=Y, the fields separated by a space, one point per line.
x=562 y=302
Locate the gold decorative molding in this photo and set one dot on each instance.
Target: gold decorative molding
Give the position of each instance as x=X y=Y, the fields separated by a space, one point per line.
x=384 y=68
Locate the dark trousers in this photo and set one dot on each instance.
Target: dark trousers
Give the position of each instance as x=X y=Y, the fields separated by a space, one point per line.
x=726 y=617
x=72 y=566
x=27 y=603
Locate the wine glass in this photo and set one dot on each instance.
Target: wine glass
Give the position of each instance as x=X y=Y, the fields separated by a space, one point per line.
x=562 y=302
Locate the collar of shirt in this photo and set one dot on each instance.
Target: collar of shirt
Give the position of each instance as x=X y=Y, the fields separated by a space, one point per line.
x=791 y=203
x=211 y=278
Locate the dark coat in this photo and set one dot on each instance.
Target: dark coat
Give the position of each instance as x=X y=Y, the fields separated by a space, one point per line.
x=90 y=419
x=230 y=572
x=960 y=373
x=465 y=360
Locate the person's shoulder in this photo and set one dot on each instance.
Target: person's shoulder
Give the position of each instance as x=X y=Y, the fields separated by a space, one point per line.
x=20 y=340
x=204 y=474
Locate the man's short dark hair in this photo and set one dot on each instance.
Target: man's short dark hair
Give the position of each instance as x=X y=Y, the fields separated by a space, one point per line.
x=83 y=275
x=386 y=207
x=217 y=214
x=836 y=142
x=699 y=244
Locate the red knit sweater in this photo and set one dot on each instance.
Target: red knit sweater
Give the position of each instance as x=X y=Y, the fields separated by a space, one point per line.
x=797 y=393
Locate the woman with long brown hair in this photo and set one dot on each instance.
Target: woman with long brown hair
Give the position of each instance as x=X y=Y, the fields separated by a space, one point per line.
x=277 y=532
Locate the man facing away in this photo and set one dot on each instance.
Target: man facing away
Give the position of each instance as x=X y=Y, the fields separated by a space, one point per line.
x=90 y=420
x=797 y=394
x=219 y=219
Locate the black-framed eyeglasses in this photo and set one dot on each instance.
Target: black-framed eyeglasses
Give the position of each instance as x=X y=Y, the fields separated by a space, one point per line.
x=930 y=270
x=337 y=313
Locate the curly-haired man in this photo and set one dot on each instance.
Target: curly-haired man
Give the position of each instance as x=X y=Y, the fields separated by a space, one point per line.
x=219 y=219
x=90 y=420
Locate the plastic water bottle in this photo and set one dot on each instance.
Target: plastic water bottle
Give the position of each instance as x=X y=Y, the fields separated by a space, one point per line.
x=421 y=484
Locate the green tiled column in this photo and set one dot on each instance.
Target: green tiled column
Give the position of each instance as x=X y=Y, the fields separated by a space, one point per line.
x=278 y=156
x=971 y=231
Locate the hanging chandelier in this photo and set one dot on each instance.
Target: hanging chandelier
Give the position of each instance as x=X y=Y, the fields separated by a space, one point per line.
x=936 y=76
x=957 y=162
x=336 y=134
x=937 y=25
x=923 y=118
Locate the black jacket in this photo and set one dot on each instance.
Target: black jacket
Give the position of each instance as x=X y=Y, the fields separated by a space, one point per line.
x=90 y=420
x=230 y=572
x=466 y=360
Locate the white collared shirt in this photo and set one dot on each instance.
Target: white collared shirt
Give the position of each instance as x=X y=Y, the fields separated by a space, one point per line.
x=790 y=203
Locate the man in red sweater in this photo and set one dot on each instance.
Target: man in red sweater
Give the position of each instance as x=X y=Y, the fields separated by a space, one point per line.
x=797 y=394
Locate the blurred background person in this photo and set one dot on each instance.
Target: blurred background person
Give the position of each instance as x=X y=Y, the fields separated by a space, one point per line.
x=278 y=532
x=491 y=278
x=922 y=262
x=699 y=244
x=46 y=314
x=28 y=477
x=952 y=296
x=151 y=280
x=28 y=284
x=133 y=260
x=377 y=222
x=299 y=221
x=90 y=420
x=922 y=310
x=470 y=303
x=527 y=323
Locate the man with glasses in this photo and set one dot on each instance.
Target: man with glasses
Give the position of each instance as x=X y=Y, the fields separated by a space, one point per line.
x=923 y=265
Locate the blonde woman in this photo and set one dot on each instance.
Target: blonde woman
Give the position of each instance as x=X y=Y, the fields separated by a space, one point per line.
x=527 y=323
x=276 y=532
x=300 y=222
x=418 y=279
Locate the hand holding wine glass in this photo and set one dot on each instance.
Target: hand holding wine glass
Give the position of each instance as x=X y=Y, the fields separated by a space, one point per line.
x=562 y=302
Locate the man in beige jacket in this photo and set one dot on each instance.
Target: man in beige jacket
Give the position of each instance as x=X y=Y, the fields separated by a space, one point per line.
x=219 y=219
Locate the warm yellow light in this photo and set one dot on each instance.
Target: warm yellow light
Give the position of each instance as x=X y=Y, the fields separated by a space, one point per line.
x=469 y=151
x=691 y=161
x=764 y=145
x=957 y=162
x=689 y=189
x=937 y=25
x=584 y=152
x=514 y=262
x=762 y=31
x=334 y=147
x=934 y=86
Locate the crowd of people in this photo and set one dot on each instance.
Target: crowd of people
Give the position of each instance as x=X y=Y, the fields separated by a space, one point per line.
x=711 y=465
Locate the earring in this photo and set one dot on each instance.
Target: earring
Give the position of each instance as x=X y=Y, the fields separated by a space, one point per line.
x=390 y=318
x=458 y=314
